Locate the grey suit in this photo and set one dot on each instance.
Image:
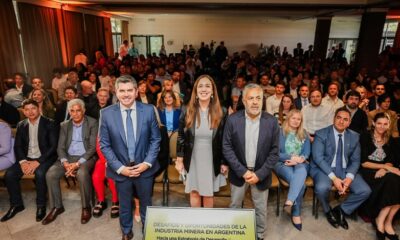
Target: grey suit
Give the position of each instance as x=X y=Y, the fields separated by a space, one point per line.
x=57 y=171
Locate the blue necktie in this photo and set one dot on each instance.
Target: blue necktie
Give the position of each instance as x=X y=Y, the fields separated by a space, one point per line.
x=130 y=136
x=339 y=170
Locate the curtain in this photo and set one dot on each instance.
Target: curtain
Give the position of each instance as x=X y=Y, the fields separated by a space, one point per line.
x=41 y=41
x=74 y=34
x=124 y=31
x=11 y=55
x=396 y=44
x=94 y=36
x=108 y=37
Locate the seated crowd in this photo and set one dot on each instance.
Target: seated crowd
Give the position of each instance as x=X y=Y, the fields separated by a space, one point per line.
x=315 y=118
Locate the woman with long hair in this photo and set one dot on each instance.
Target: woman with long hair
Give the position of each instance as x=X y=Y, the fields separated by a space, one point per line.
x=292 y=165
x=199 y=147
x=287 y=104
x=45 y=106
x=380 y=170
x=169 y=111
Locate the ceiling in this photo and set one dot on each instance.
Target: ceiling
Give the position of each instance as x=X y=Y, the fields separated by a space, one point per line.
x=294 y=9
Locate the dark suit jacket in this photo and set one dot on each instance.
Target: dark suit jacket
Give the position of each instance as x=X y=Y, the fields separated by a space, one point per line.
x=186 y=139
x=163 y=118
x=324 y=150
x=61 y=110
x=372 y=103
x=359 y=122
x=298 y=103
x=47 y=138
x=267 y=149
x=113 y=141
x=26 y=89
x=150 y=99
x=89 y=134
x=94 y=110
x=9 y=114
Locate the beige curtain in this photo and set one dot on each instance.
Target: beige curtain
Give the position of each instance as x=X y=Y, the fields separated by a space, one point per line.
x=108 y=37
x=124 y=30
x=39 y=29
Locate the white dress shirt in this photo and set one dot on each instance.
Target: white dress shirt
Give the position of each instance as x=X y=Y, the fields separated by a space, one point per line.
x=251 y=139
x=333 y=165
x=272 y=104
x=316 y=118
x=332 y=103
x=33 y=147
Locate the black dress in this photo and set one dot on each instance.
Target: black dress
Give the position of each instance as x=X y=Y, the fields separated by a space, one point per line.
x=385 y=190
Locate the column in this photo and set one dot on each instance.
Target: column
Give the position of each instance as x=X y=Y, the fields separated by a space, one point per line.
x=321 y=38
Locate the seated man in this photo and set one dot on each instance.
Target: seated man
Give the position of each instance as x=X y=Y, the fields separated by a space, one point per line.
x=77 y=154
x=35 y=151
x=336 y=159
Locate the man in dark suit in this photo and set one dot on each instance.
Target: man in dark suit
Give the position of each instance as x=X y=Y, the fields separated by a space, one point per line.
x=373 y=101
x=130 y=140
x=302 y=99
x=359 y=119
x=336 y=160
x=62 y=113
x=35 y=151
x=251 y=147
x=77 y=155
x=21 y=85
x=102 y=101
x=298 y=51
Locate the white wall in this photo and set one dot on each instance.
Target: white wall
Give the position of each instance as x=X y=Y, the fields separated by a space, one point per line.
x=345 y=27
x=240 y=32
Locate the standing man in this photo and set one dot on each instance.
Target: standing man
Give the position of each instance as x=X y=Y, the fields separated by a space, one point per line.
x=35 y=151
x=251 y=147
x=130 y=140
x=336 y=160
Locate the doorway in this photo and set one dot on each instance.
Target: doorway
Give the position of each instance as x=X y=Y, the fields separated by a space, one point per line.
x=148 y=44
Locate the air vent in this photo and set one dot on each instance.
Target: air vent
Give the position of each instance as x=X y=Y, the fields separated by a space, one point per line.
x=151 y=19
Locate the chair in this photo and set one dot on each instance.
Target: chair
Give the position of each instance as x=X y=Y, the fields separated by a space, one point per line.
x=309 y=183
x=171 y=174
x=275 y=184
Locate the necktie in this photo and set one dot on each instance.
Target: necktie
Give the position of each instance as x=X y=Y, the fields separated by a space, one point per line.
x=339 y=170
x=130 y=136
x=304 y=102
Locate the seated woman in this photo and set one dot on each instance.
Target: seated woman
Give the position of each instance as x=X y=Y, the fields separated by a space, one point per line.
x=383 y=102
x=169 y=111
x=98 y=176
x=287 y=104
x=7 y=157
x=142 y=95
x=167 y=85
x=379 y=171
x=45 y=106
x=292 y=165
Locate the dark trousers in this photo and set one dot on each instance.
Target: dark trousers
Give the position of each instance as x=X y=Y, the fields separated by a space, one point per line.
x=143 y=188
x=12 y=179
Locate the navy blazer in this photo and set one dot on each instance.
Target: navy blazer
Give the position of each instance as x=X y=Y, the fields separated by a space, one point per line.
x=113 y=141
x=305 y=149
x=163 y=118
x=267 y=148
x=324 y=150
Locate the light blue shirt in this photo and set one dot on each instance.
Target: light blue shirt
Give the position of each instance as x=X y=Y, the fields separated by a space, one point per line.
x=169 y=115
x=333 y=165
x=76 y=148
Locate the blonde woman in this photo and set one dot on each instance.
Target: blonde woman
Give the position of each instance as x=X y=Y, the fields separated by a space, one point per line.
x=292 y=165
x=199 y=147
x=46 y=108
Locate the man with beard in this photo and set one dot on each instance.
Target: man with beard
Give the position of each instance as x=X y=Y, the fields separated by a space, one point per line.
x=359 y=119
